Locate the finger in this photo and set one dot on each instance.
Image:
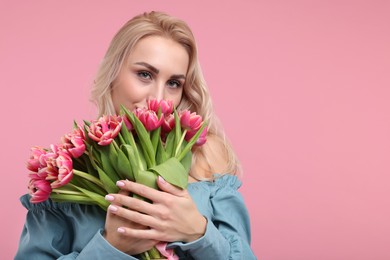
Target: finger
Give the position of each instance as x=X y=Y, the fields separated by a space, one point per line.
x=134 y=216
x=111 y=197
x=139 y=189
x=131 y=203
x=146 y=234
x=167 y=187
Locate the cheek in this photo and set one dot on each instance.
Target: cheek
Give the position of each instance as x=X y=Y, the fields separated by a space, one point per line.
x=128 y=94
x=176 y=98
x=177 y=101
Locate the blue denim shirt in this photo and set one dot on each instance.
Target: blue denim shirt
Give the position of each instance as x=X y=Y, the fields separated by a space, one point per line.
x=74 y=231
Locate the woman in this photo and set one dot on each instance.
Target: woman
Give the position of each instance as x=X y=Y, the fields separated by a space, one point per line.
x=152 y=56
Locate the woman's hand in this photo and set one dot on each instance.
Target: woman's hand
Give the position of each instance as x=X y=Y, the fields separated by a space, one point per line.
x=172 y=215
x=114 y=226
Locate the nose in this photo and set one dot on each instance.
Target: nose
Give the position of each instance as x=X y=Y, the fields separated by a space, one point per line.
x=157 y=91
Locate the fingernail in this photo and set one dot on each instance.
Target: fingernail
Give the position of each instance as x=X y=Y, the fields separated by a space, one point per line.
x=120 y=183
x=161 y=179
x=112 y=208
x=109 y=197
x=121 y=230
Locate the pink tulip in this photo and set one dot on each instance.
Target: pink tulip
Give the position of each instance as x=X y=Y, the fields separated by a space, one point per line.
x=190 y=121
x=74 y=142
x=128 y=124
x=33 y=163
x=39 y=189
x=105 y=129
x=153 y=104
x=202 y=138
x=48 y=167
x=65 y=170
x=168 y=253
x=166 y=106
x=168 y=124
x=149 y=119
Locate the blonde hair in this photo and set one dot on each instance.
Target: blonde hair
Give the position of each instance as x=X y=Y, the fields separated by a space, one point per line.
x=195 y=97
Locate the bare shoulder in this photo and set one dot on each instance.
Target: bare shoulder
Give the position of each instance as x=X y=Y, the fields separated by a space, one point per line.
x=210 y=158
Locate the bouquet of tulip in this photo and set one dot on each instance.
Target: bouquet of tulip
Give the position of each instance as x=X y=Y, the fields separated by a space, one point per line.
x=139 y=146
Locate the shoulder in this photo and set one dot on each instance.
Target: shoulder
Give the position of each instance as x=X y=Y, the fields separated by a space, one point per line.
x=45 y=205
x=210 y=158
x=67 y=208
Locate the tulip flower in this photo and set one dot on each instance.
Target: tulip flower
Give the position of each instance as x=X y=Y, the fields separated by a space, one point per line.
x=65 y=170
x=190 y=121
x=33 y=163
x=149 y=119
x=128 y=124
x=165 y=105
x=39 y=188
x=168 y=253
x=48 y=167
x=202 y=138
x=74 y=142
x=105 y=129
x=153 y=104
x=168 y=124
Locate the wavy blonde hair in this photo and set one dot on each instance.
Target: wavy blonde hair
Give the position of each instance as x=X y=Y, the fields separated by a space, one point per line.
x=195 y=97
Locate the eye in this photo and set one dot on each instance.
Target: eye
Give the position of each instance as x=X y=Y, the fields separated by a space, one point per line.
x=144 y=75
x=174 y=84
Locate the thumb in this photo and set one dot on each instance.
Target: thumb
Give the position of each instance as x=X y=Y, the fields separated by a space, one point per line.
x=167 y=187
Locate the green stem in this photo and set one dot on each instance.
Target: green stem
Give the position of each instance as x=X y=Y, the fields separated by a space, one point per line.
x=88 y=177
x=180 y=142
x=115 y=145
x=60 y=191
x=136 y=152
x=72 y=198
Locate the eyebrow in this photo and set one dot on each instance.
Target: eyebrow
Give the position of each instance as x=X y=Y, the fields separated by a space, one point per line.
x=156 y=71
x=147 y=65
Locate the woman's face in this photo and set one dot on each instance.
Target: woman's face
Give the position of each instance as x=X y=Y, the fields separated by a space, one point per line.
x=156 y=68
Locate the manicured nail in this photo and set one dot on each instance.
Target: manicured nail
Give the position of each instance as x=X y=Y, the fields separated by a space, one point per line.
x=109 y=197
x=121 y=230
x=161 y=179
x=120 y=183
x=112 y=208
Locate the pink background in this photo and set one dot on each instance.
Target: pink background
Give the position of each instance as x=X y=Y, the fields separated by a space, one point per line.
x=302 y=88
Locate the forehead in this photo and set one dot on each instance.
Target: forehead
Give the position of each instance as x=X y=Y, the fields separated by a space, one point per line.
x=160 y=52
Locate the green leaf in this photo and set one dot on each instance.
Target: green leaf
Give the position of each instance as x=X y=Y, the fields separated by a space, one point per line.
x=170 y=144
x=88 y=177
x=187 y=161
x=161 y=154
x=141 y=158
x=177 y=129
x=106 y=162
x=191 y=143
x=156 y=136
x=109 y=184
x=123 y=166
x=120 y=137
x=90 y=169
x=75 y=126
x=144 y=137
x=82 y=199
x=84 y=183
x=87 y=123
x=147 y=178
x=173 y=172
x=129 y=152
x=125 y=134
x=95 y=197
x=154 y=253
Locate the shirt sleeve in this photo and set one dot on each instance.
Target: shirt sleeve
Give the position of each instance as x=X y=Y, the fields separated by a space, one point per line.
x=50 y=232
x=227 y=233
